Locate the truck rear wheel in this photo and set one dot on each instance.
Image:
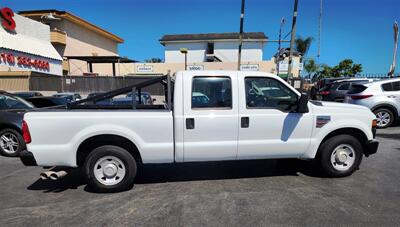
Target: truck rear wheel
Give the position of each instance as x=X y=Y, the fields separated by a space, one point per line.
x=110 y=169
x=340 y=156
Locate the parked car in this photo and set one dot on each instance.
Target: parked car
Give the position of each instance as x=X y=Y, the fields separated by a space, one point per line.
x=145 y=98
x=47 y=101
x=28 y=94
x=101 y=102
x=337 y=90
x=382 y=97
x=12 y=109
x=69 y=96
x=234 y=122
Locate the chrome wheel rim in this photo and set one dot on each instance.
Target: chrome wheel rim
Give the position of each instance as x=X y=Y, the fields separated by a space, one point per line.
x=343 y=157
x=109 y=170
x=382 y=119
x=9 y=143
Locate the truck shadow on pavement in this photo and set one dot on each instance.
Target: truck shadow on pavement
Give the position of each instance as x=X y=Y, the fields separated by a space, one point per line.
x=161 y=173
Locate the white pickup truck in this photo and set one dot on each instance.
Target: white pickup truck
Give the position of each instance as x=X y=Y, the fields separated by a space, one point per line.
x=208 y=116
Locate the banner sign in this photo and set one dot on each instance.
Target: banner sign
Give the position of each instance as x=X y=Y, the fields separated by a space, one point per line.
x=249 y=67
x=144 y=68
x=195 y=67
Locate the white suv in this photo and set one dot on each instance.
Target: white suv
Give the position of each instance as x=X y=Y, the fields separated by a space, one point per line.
x=382 y=97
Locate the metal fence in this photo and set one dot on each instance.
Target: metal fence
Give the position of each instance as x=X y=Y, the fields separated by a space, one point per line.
x=88 y=84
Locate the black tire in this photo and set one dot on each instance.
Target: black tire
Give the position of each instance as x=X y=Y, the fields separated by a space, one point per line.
x=20 y=141
x=328 y=147
x=383 y=111
x=108 y=150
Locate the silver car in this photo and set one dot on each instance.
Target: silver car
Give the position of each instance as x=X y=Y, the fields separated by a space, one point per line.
x=382 y=97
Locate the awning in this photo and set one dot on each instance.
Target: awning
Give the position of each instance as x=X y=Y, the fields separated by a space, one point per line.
x=28 y=45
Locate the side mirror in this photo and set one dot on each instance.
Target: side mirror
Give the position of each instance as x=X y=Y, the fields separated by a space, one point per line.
x=302 y=104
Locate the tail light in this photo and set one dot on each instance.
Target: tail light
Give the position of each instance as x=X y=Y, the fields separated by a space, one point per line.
x=374 y=125
x=25 y=133
x=357 y=97
x=324 y=92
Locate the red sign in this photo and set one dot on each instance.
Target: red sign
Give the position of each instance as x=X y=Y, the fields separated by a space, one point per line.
x=8 y=21
x=22 y=61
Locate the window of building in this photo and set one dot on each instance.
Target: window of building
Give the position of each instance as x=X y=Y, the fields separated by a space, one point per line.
x=211 y=92
x=268 y=93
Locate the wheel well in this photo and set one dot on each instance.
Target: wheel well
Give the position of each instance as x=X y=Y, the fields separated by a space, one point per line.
x=387 y=106
x=357 y=133
x=5 y=126
x=91 y=143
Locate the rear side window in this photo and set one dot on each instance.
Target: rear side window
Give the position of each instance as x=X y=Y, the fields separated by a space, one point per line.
x=387 y=87
x=344 y=87
x=396 y=86
x=357 y=88
x=211 y=92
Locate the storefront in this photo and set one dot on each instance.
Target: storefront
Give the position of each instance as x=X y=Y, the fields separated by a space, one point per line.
x=25 y=46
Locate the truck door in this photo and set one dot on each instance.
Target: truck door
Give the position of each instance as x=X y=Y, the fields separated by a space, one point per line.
x=268 y=129
x=210 y=117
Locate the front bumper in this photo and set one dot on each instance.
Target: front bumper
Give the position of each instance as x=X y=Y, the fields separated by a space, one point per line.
x=27 y=158
x=371 y=147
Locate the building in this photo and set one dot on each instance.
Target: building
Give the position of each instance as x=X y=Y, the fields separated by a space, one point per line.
x=214 y=51
x=25 y=47
x=86 y=48
x=213 y=47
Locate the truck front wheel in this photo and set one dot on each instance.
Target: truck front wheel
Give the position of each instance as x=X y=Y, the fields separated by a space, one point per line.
x=340 y=156
x=110 y=169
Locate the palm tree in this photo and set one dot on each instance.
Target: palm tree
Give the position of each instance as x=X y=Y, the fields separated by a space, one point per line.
x=311 y=67
x=302 y=45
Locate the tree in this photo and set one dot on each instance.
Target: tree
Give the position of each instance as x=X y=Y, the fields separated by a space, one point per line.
x=346 y=68
x=311 y=67
x=302 y=46
x=153 y=60
x=324 y=71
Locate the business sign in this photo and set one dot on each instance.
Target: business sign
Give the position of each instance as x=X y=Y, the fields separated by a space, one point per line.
x=7 y=16
x=195 y=67
x=249 y=67
x=10 y=59
x=284 y=66
x=144 y=68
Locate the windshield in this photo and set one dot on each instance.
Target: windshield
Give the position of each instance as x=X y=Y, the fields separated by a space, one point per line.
x=13 y=102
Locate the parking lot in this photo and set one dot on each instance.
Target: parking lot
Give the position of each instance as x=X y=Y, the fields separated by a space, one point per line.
x=250 y=193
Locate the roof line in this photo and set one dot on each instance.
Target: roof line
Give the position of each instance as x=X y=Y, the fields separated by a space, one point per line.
x=75 y=19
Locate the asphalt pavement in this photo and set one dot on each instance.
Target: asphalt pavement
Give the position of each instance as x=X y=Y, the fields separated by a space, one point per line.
x=247 y=193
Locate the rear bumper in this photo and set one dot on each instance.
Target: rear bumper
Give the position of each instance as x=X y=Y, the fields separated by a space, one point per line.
x=27 y=158
x=371 y=147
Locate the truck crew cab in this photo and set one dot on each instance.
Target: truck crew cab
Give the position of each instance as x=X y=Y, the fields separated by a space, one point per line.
x=208 y=116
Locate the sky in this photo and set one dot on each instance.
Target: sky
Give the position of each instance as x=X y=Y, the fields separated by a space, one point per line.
x=358 y=29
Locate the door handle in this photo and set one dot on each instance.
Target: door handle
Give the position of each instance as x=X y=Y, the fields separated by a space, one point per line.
x=244 y=122
x=189 y=123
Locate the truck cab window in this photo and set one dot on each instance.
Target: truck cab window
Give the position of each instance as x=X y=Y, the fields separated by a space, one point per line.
x=268 y=93
x=211 y=92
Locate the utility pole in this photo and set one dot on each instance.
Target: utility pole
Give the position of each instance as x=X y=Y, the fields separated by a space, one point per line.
x=292 y=37
x=396 y=41
x=241 y=34
x=319 y=31
x=279 y=45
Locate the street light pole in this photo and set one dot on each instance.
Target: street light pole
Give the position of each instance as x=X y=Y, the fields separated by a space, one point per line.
x=292 y=37
x=241 y=34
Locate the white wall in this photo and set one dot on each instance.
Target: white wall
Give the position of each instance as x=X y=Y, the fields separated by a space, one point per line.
x=228 y=51
x=196 y=52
